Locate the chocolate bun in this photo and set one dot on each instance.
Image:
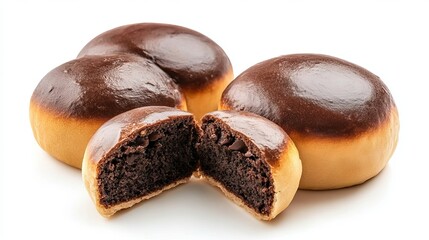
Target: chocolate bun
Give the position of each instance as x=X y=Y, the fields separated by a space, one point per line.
x=197 y=64
x=137 y=155
x=341 y=117
x=124 y=68
x=251 y=159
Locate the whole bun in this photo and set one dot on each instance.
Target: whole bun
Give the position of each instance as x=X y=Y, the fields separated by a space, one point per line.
x=128 y=67
x=75 y=99
x=341 y=117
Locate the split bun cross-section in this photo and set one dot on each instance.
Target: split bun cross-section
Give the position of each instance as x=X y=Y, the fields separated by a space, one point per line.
x=142 y=152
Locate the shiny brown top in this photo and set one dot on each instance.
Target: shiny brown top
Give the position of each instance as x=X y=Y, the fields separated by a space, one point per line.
x=266 y=135
x=190 y=58
x=103 y=86
x=312 y=94
x=124 y=126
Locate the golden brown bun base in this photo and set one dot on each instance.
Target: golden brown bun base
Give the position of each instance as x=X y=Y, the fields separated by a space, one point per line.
x=63 y=138
x=343 y=162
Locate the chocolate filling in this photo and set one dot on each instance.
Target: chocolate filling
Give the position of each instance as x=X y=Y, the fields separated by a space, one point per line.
x=149 y=161
x=236 y=163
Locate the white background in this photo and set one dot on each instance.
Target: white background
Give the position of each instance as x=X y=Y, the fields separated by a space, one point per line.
x=44 y=199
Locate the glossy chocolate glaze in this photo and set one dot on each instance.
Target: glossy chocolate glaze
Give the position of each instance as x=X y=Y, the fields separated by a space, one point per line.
x=125 y=126
x=266 y=135
x=104 y=86
x=190 y=58
x=312 y=94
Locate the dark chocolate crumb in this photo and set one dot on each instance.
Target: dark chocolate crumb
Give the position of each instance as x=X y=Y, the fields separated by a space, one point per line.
x=237 y=166
x=139 y=168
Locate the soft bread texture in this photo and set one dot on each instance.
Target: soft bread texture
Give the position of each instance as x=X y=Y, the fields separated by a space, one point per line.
x=286 y=177
x=111 y=136
x=341 y=117
x=146 y=64
x=276 y=149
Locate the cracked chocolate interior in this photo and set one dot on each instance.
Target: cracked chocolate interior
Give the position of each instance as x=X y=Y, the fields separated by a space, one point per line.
x=236 y=163
x=148 y=161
